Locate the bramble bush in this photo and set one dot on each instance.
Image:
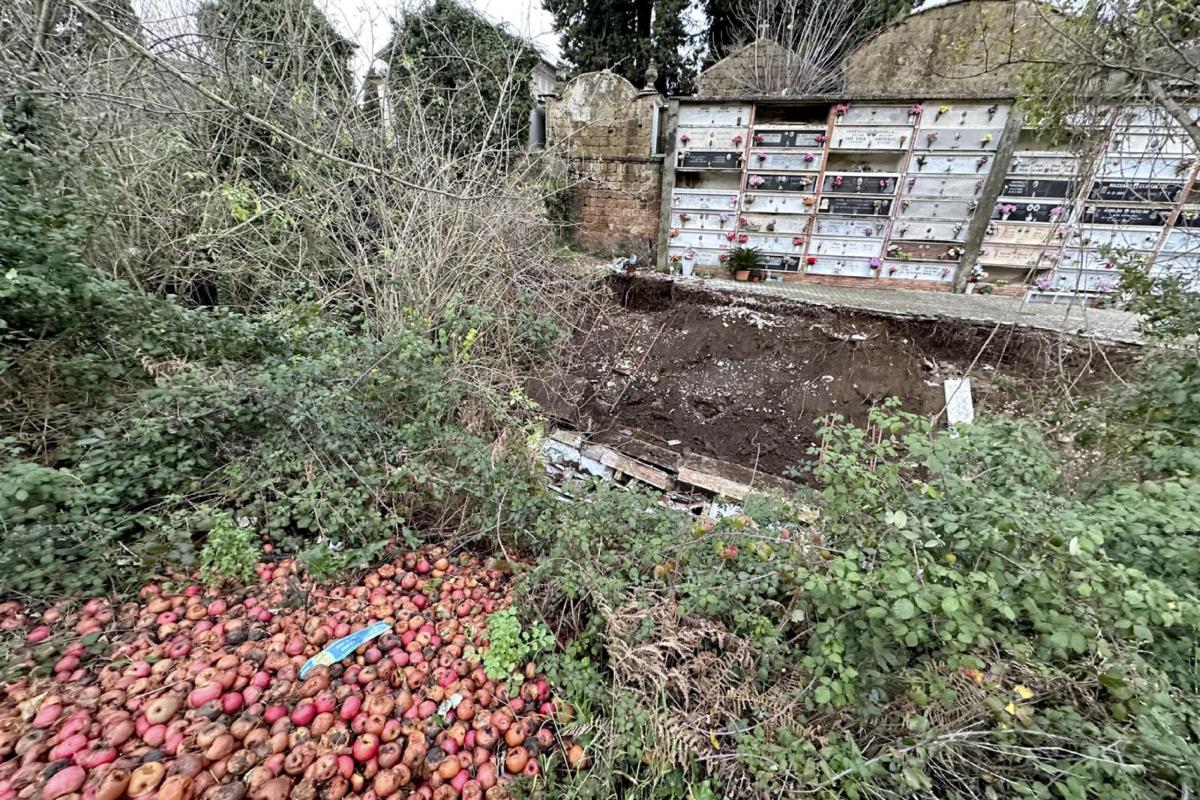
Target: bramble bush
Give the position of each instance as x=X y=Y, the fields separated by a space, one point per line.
x=945 y=618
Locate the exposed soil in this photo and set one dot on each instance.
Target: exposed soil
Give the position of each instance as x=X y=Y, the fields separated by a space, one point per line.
x=749 y=379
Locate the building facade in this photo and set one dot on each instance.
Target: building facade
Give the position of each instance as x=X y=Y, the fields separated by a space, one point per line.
x=920 y=174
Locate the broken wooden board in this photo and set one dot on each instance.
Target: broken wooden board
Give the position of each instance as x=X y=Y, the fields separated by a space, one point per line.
x=629 y=466
x=642 y=450
x=729 y=480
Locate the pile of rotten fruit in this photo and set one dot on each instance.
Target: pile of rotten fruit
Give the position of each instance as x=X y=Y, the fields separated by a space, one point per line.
x=199 y=695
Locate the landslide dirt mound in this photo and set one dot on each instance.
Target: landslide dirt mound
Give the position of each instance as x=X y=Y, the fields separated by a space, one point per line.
x=749 y=379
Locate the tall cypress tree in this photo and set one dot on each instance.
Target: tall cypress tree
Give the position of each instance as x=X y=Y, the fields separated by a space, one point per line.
x=628 y=37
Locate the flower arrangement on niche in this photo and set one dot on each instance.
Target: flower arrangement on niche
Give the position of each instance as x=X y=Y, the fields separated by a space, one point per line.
x=810 y=260
x=674 y=232
x=723 y=218
x=840 y=110
x=868 y=231
x=808 y=201
x=685 y=138
x=916 y=110
x=737 y=140
x=980 y=162
x=797 y=241
x=875 y=262
x=1045 y=282
x=743 y=238
x=931 y=137
x=1006 y=210
x=976 y=275
x=684 y=216
x=749 y=199
x=892 y=269
x=731 y=235
x=1056 y=213
x=978 y=185
x=945 y=272
x=838 y=180
x=821 y=138
x=987 y=137
x=756 y=180
x=1105 y=286
x=1184 y=163
x=758 y=138
x=942 y=109
x=991 y=112
x=921 y=162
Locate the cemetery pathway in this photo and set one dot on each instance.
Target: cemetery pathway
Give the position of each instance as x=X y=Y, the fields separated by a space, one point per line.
x=1071 y=318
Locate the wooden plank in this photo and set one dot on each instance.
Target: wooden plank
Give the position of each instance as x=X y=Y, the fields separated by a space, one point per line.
x=569 y=438
x=631 y=467
x=731 y=480
x=652 y=454
x=714 y=483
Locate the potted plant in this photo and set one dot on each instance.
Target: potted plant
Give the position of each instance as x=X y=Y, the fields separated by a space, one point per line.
x=742 y=260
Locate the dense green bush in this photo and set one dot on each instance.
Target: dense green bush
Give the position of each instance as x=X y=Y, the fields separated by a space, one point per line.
x=946 y=618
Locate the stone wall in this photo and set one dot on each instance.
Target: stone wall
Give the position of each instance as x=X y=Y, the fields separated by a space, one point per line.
x=606 y=128
x=760 y=68
x=964 y=48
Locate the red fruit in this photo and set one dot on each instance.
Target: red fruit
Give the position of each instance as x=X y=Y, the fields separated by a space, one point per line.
x=303 y=714
x=39 y=634
x=47 y=715
x=232 y=702
x=365 y=747
x=351 y=706
x=274 y=713
x=65 y=781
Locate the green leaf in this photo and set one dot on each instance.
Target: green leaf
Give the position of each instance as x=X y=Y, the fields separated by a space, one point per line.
x=904 y=609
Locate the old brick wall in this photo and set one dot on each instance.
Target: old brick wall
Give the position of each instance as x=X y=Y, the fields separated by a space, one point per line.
x=605 y=127
x=969 y=47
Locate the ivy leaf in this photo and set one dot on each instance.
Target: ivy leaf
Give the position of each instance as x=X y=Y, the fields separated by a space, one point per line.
x=897 y=519
x=904 y=609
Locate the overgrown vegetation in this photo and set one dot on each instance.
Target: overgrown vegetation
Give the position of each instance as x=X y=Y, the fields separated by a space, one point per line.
x=215 y=334
x=309 y=333
x=946 y=616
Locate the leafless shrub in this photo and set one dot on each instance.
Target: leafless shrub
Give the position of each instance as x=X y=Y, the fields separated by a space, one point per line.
x=239 y=182
x=799 y=45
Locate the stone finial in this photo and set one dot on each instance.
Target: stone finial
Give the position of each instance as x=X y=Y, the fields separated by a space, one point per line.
x=651 y=78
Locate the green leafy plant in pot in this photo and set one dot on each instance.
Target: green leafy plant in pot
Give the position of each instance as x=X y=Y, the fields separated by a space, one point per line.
x=742 y=261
